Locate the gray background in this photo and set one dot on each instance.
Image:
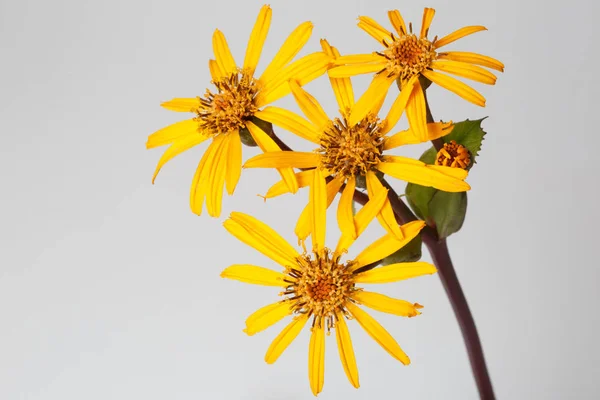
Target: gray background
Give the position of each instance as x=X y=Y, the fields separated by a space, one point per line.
x=110 y=288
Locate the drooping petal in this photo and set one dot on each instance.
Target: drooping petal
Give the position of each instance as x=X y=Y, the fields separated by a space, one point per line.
x=416 y=111
x=386 y=245
x=386 y=214
x=284 y=159
x=292 y=45
x=396 y=272
x=222 y=53
x=346 y=71
x=342 y=87
x=373 y=28
x=378 y=333
x=373 y=95
x=268 y=146
x=386 y=304
x=179 y=146
x=398 y=106
x=304 y=179
x=172 y=132
x=289 y=121
x=457 y=173
x=255 y=275
x=216 y=179
x=200 y=182
x=267 y=316
x=345 y=349
x=303 y=226
x=309 y=106
x=465 y=70
x=435 y=130
x=215 y=71
x=422 y=174
x=318 y=205
x=234 y=162
x=261 y=237
x=428 y=14
x=257 y=39
x=316 y=359
x=285 y=337
x=181 y=104
x=345 y=216
x=460 y=33
x=397 y=22
x=302 y=71
x=472 y=58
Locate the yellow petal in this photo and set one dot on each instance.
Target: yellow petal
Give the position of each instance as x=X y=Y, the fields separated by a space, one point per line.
x=345 y=216
x=342 y=87
x=345 y=349
x=387 y=304
x=261 y=237
x=398 y=106
x=424 y=175
x=304 y=178
x=396 y=272
x=416 y=111
x=386 y=215
x=310 y=107
x=269 y=146
x=346 y=71
x=216 y=180
x=377 y=31
x=387 y=244
x=179 y=146
x=257 y=39
x=318 y=204
x=201 y=177
x=397 y=22
x=472 y=58
x=304 y=224
x=234 y=162
x=435 y=130
x=292 y=45
x=267 y=316
x=373 y=95
x=302 y=71
x=378 y=333
x=290 y=122
x=255 y=275
x=215 y=71
x=428 y=14
x=359 y=59
x=316 y=359
x=457 y=173
x=283 y=159
x=222 y=53
x=465 y=70
x=181 y=104
x=171 y=133
x=460 y=33
x=285 y=337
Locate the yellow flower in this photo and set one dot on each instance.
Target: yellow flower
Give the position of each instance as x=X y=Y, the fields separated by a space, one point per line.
x=221 y=115
x=322 y=288
x=350 y=148
x=408 y=56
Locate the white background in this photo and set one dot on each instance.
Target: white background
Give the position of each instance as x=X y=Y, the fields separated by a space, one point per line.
x=110 y=287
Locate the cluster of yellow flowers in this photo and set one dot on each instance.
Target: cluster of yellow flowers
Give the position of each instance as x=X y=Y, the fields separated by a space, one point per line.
x=355 y=145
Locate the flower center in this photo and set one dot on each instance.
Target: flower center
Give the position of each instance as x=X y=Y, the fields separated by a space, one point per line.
x=453 y=155
x=321 y=285
x=408 y=55
x=351 y=151
x=229 y=108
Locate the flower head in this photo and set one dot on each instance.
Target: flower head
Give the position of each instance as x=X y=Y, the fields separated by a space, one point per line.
x=321 y=288
x=406 y=57
x=221 y=114
x=349 y=148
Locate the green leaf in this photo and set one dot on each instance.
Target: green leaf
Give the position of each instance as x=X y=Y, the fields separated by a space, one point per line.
x=448 y=211
x=410 y=252
x=469 y=134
